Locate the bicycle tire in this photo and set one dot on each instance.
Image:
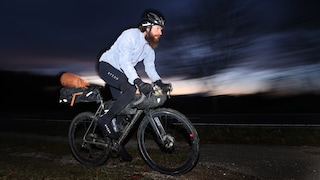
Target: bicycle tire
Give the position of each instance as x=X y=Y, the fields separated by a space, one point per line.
x=85 y=152
x=180 y=158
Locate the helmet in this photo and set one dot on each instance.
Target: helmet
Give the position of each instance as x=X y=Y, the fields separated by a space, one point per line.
x=150 y=18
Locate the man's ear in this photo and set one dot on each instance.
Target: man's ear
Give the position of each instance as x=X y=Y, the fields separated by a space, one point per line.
x=148 y=29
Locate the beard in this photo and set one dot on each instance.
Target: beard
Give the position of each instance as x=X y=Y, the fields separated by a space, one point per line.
x=152 y=40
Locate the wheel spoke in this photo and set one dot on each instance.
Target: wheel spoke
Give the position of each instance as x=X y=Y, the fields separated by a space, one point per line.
x=90 y=150
x=179 y=151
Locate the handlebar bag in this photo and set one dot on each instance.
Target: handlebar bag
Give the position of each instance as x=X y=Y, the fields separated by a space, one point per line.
x=152 y=101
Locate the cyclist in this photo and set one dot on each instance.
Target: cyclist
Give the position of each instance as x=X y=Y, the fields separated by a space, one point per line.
x=117 y=69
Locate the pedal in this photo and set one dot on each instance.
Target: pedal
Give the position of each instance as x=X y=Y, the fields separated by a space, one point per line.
x=115 y=149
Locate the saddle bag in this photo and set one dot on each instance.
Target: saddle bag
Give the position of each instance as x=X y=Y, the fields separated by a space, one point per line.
x=72 y=95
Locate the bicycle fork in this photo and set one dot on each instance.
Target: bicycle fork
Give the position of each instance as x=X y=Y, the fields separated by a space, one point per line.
x=166 y=139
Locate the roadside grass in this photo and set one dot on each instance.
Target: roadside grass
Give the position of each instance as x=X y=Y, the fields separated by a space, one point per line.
x=264 y=135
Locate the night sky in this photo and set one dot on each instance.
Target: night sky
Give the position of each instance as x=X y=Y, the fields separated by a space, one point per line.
x=208 y=46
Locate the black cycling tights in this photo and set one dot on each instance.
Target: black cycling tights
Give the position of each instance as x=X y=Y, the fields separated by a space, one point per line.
x=121 y=90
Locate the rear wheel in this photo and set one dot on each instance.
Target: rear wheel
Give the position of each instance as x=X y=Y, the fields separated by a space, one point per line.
x=178 y=153
x=86 y=141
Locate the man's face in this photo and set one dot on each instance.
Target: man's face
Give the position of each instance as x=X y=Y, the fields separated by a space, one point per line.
x=156 y=32
x=153 y=35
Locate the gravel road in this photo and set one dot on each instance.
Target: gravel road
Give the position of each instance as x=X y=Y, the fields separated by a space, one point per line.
x=266 y=162
x=257 y=161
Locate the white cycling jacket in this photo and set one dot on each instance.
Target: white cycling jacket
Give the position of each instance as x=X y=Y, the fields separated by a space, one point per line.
x=129 y=49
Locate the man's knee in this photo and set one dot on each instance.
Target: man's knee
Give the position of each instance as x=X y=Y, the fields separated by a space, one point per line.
x=128 y=89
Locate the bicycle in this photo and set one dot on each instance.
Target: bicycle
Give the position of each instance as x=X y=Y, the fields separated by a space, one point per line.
x=167 y=140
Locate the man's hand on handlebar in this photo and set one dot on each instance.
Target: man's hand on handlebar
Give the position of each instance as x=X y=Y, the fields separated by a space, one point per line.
x=144 y=88
x=164 y=86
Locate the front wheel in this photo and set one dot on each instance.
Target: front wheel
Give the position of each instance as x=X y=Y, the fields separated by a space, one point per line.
x=86 y=141
x=178 y=151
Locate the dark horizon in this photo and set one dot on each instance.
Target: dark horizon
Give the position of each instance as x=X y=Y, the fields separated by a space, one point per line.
x=25 y=92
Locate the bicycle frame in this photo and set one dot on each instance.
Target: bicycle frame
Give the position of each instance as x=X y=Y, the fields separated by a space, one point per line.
x=93 y=125
x=155 y=123
x=128 y=128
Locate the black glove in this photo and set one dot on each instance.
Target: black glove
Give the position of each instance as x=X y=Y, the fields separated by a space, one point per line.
x=144 y=88
x=164 y=86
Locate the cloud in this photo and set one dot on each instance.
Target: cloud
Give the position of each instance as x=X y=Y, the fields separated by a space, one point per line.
x=201 y=40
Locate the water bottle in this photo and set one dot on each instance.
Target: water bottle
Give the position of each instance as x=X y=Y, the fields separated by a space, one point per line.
x=114 y=125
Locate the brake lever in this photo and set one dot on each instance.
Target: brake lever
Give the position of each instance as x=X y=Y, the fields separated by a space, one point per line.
x=170 y=90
